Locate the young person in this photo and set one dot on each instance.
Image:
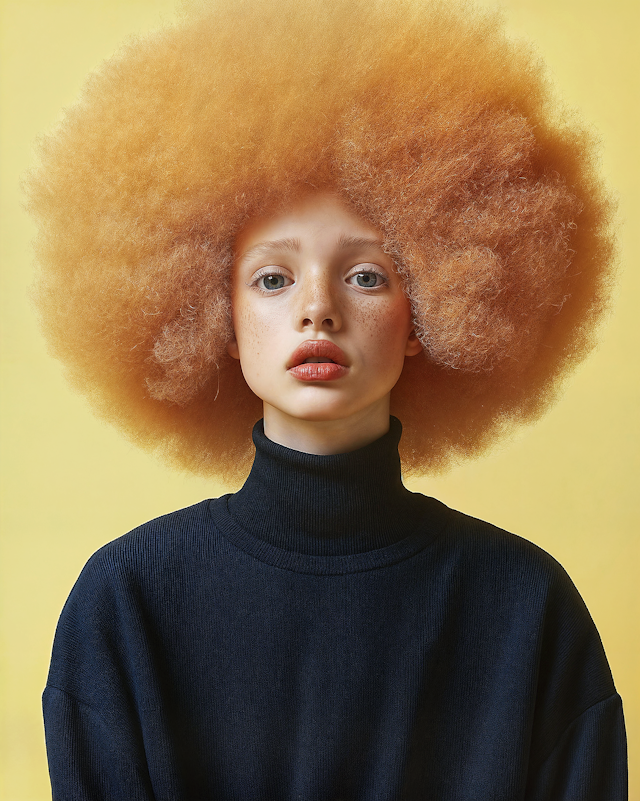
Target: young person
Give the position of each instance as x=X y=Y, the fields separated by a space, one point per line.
x=321 y=221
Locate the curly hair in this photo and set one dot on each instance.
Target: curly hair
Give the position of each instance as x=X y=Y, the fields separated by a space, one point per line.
x=425 y=118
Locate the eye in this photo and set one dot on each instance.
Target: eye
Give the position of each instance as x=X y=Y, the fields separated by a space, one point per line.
x=272 y=281
x=368 y=279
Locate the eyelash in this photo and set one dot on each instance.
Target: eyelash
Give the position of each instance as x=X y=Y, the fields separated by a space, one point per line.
x=268 y=273
x=383 y=278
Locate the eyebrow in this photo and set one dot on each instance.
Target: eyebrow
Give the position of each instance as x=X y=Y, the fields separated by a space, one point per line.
x=344 y=243
x=271 y=245
x=359 y=242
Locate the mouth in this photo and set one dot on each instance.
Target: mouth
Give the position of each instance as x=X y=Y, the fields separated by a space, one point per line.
x=317 y=351
x=318 y=360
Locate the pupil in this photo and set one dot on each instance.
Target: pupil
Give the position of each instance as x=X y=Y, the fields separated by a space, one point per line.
x=273 y=281
x=367 y=279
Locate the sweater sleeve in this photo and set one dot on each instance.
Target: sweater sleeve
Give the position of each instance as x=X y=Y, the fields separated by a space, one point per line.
x=100 y=708
x=588 y=763
x=578 y=739
x=87 y=760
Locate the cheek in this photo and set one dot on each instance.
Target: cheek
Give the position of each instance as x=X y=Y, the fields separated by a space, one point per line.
x=389 y=327
x=255 y=334
x=246 y=324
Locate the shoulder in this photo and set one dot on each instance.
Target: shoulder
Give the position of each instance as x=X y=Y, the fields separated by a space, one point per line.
x=511 y=582
x=126 y=588
x=493 y=553
x=149 y=553
x=517 y=597
x=501 y=572
x=159 y=536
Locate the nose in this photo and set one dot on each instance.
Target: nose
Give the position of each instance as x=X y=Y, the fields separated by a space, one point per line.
x=319 y=305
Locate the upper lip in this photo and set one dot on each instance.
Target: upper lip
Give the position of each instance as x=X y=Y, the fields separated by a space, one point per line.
x=319 y=349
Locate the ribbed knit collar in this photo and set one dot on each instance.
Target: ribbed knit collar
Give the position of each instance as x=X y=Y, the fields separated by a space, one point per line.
x=334 y=505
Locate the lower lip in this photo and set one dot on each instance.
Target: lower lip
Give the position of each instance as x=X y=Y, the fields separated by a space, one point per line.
x=319 y=371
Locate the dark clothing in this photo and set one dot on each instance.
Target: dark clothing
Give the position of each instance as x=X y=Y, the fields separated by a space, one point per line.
x=325 y=634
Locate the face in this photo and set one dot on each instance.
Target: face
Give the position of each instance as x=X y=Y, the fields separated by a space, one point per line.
x=322 y=325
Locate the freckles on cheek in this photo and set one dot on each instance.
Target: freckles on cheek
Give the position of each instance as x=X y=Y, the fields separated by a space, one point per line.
x=391 y=330
x=244 y=324
x=254 y=335
x=388 y=323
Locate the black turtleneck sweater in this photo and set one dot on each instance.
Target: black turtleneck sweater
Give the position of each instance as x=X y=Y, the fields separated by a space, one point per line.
x=326 y=635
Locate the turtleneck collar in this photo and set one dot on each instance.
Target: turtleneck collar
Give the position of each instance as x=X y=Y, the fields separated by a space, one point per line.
x=334 y=505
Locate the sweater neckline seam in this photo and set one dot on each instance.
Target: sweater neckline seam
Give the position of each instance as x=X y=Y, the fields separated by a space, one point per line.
x=432 y=525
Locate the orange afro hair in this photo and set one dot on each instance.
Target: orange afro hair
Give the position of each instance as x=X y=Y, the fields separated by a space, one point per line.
x=424 y=117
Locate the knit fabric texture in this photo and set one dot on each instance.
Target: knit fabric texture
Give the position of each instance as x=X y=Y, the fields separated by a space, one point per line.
x=326 y=635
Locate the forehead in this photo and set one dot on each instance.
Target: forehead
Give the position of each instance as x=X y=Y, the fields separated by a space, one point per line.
x=319 y=221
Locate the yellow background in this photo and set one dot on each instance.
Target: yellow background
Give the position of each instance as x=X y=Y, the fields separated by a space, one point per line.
x=70 y=483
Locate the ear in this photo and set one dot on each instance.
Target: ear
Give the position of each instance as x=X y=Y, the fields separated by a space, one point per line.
x=414 y=346
x=232 y=348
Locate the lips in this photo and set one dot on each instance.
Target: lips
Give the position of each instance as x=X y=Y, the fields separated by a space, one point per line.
x=318 y=360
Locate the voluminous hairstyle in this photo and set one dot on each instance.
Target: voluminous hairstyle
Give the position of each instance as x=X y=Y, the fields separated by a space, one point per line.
x=424 y=117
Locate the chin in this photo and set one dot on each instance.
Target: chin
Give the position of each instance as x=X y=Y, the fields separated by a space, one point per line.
x=333 y=412
x=320 y=415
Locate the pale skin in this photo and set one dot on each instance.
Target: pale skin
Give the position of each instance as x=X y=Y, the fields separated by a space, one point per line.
x=321 y=325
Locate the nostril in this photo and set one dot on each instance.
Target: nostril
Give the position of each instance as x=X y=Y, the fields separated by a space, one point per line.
x=326 y=320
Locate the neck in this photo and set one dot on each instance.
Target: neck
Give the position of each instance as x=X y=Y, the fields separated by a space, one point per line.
x=327 y=437
x=327 y=504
